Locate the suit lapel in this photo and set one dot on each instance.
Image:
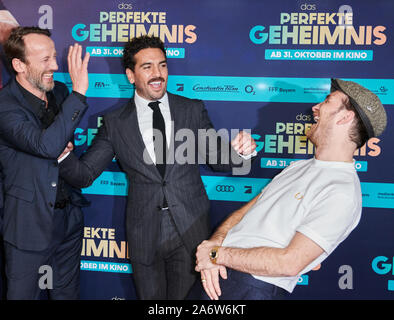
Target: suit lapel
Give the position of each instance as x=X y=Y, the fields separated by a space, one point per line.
x=132 y=138
x=178 y=117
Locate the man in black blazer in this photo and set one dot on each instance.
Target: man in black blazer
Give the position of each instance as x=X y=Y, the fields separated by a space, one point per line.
x=42 y=219
x=167 y=208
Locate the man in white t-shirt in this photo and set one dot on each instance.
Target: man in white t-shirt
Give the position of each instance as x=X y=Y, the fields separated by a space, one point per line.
x=306 y=211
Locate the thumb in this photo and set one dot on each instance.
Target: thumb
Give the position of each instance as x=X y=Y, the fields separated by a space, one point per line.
x=223 y=272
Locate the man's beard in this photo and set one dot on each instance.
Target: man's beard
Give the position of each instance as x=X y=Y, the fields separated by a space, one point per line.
x=319 y=136
x=35 y=79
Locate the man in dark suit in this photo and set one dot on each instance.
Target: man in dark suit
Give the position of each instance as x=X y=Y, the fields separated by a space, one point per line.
x=167 y=209
x=42 y=219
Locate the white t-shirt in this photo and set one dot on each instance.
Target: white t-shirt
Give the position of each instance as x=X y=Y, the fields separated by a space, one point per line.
x=320 y=199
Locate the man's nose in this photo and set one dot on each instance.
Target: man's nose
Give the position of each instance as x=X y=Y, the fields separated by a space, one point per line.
x=316 y=107
x=156 y=72
x=54 y=65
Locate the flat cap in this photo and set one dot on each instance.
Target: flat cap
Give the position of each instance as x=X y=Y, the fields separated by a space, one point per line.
x=366 y=103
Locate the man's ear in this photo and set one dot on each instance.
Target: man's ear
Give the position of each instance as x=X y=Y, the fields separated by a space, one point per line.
x=130 y=75
x=18 y=65
x=346 y=117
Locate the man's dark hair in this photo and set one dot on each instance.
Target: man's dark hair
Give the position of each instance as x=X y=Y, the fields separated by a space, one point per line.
x=15 y=47
x=358 y=133
x=135 y=45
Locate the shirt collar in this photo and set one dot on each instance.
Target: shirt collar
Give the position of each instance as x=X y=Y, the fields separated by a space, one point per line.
x=38 y=105
x=140 y=102
x=35 y=103
x=334 y=164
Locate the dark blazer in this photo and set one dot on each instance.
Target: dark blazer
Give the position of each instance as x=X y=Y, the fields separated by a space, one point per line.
x=182 y=185
x=30 y=171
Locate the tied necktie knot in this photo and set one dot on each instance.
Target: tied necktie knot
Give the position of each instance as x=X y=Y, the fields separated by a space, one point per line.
x=154 y=105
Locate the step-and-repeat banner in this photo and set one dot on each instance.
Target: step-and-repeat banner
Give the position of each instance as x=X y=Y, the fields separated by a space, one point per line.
x=258 y=65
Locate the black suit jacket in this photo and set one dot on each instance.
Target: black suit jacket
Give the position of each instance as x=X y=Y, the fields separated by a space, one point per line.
x=30 y=171
x=181 y=186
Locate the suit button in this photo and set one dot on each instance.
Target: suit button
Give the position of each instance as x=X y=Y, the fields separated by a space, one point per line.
x=75 y=115
x=50 y=204
x=164 y=183
x=53 y=184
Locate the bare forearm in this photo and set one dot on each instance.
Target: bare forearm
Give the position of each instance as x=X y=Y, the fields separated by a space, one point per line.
x=269 y=261
x=263 y=261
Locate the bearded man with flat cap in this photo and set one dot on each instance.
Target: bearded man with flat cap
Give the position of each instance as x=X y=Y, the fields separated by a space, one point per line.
x=297 y=220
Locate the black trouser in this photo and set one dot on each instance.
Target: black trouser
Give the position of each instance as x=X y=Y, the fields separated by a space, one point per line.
x=240 y=286
x=172 y=274
x=62 y=257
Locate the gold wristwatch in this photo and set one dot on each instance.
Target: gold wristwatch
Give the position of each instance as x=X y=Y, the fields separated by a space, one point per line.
x=213 y=255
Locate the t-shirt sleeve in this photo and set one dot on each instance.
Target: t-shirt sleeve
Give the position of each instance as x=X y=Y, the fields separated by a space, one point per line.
x=331 y=220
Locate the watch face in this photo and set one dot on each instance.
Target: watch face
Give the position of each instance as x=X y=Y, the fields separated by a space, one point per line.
x=213 y=254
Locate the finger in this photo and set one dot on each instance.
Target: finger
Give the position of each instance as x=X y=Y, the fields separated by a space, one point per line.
x=70 y=146
x=246 y=150
x=70 y=49
x=246 y=138
x=204 y=284
x=236 y=141
x=74 y=56
x=254 y=145
x=73 y=59
x=85 y=61
x=78 y=56
x=223 y=272
x=247 y=143
x=216 y=286
x=210 y=285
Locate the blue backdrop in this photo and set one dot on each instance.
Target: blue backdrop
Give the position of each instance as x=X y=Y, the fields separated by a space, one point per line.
x=258 y=65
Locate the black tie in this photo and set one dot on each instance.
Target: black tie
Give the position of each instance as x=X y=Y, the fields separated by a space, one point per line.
x=159 y=144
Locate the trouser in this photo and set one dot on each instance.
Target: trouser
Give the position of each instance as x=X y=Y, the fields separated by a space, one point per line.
x=171 y=275
x=55 y=270
x=240 y=286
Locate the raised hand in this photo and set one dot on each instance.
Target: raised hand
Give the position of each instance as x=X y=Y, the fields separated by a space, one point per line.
x=78 y=68
x=243 y=143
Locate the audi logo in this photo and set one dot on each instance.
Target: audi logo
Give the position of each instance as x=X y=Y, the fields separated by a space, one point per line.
x=225 y=188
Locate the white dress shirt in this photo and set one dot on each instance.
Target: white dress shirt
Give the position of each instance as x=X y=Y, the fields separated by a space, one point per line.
x=145 y=121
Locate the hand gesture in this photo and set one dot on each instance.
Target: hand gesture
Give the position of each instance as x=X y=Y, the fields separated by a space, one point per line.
x=210 y=281
x=209 y=272
x=243 y=143
x=78 y=68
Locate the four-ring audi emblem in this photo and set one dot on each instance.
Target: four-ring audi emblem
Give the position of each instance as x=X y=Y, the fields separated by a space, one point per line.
x=225 y=188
